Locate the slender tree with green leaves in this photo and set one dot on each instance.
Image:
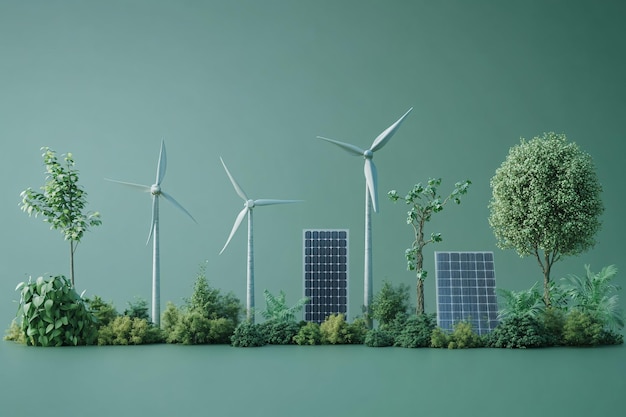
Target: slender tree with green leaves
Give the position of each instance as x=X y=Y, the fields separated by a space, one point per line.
x=546 y=202
x=424 y=201
x=62 y=202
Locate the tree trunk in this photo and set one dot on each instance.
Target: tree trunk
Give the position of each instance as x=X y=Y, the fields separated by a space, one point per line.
x=420 y=297
x=72 y=263
x=546 y=282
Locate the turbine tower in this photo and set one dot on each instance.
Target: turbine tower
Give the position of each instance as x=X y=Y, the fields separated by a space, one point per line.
x=249 y=205
x=157 y=192
x=371 y=198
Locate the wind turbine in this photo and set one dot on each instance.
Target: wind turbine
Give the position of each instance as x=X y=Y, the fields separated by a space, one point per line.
x=249 y=205
x=157 y=192
x=371 y=197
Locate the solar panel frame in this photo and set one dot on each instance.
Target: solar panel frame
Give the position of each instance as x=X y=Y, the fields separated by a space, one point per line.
x=325 y=255
x=466 y=290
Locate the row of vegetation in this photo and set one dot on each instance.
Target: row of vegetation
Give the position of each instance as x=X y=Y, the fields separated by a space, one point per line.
x=546 y=204
x=583 y=311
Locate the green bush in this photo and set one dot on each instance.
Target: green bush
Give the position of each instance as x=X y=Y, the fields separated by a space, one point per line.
x=279 y=332
x=553 y=323
x=126 y=330
x=379 y=338
x=356 y=332
x=103 y=312
x=582 y=329
x=334 y=329
x=53 y=314
x=137 y=309
x=15 y=334
x=416 y=331
x=248 y=334
x=208 y=317
x=389 y=302
x=309 y=334
x=439 y=338
x=518 y=332
x=462 y=337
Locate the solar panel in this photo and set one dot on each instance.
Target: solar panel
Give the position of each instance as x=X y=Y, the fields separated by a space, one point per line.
x=466 y=290
x=325 y=254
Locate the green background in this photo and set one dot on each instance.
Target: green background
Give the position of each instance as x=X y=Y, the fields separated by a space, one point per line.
x=255 y=82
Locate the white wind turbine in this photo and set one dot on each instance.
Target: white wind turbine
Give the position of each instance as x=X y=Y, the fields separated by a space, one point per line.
x=371 y=197
x=248 y=209
x=156 y=191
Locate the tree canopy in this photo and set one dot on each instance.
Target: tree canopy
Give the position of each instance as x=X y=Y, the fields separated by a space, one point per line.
x=546 y=201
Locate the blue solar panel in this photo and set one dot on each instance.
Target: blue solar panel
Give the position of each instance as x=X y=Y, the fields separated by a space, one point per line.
x=325 y=254
x=466 y=290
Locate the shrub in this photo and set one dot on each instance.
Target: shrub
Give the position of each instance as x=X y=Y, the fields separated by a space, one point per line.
x=379 y=338
x=582 y=329
x=357 y=331
x=138 y=309
x=103 y=312
x=389 y=302
x=309 y=334
x=416 y=331
x=126 y=330
x=277 y=309
x=462 y=337
x=53 y=314
x=518 y=332
x=207 y=316
x=553 y=322
x=247 y=334
x=334 y=329
x=14 y=333
x=279 y=332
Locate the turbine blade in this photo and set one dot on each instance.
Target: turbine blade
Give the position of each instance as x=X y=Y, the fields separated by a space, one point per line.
x=384 y=137
x=355 y=150
x=235 y=185
x=131 y=184
x=238 y=221
x=371 y=178
x=154 y=219
x=270 y=202
x=162 y=165
x=177 y=204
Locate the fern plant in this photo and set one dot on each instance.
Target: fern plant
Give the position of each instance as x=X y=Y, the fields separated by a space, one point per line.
x=277 y=308
x=521 y=303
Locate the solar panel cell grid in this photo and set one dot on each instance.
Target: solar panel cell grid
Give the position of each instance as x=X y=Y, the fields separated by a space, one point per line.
x=466 y=290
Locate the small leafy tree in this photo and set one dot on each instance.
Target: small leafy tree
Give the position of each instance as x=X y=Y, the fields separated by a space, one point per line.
x=546 y=202
x=425 y=200
x=277 y=308
x=62 y=202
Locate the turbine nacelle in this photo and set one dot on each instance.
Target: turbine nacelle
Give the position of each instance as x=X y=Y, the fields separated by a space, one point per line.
x=368 y=154
x=249 y=204
x=155 y=189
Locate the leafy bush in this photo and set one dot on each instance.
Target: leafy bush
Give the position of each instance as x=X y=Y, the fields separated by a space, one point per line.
x=279 y=332
x=379 y=338
x=138 y=309
x=103 y=312
x=248 y=334
x=416 y=331
x=582 y=329
x=389 y=302
x=462 y=337
x=126 y=330
x=53 y=314
x=334 y=329
x=309 y=334
x=207 y=317
x=553 y=322
x=356 y=332
x=518 y=332
x=15 y=334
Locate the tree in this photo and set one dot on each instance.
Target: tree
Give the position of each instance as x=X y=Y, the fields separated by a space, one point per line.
x=546 y=202
x=390 y=302
x=425 y=201
x=62 y=202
